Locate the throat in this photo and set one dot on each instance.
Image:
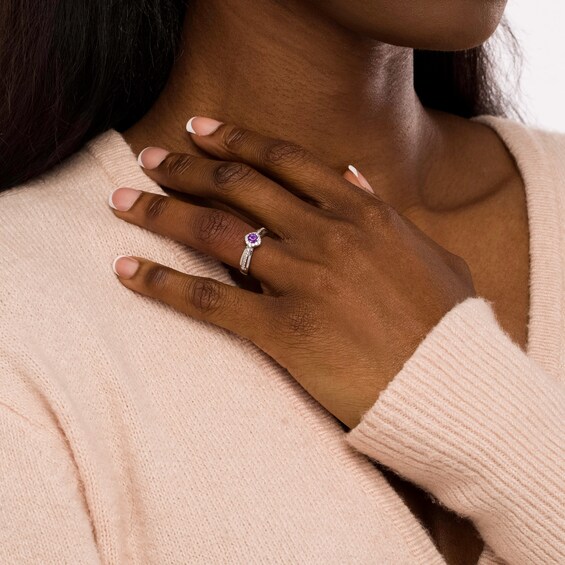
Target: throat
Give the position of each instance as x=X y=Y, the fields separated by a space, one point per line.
x=347 y=98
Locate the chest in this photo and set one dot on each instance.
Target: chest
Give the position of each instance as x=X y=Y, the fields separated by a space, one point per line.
x=497 y=251
x=492 y=236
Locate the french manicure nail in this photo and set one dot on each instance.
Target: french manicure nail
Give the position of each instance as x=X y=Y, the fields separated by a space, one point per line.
x=202 y=126
x=151 y=157
x=353 y=170
x=125 y=266
x=364 y=182
x=123 y=199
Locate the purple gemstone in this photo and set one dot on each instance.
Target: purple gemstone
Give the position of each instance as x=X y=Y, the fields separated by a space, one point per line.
x=252 y=237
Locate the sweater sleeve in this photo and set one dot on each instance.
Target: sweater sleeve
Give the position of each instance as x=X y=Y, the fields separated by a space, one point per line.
x=479 y=425
x=43 y=517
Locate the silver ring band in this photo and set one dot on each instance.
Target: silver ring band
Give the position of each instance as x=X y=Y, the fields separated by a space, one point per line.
x=252 y=240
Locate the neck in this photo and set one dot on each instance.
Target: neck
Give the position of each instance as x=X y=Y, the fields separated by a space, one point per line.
x=282 y=69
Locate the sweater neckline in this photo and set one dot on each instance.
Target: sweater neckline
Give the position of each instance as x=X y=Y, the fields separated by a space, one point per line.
x=117 y=159
x=539 y=176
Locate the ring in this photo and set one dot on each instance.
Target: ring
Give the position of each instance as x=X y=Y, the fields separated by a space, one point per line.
x=252 y=240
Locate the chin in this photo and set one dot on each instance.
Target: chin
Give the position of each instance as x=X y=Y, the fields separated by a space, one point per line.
x=439 y=25
x=469 y=24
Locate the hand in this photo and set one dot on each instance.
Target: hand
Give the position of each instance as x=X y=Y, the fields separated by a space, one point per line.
x=349 y=286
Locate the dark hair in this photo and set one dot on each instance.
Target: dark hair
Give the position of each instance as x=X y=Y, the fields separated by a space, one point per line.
x=71 y=69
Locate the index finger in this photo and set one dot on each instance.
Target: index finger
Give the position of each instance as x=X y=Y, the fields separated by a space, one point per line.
x=284 y=161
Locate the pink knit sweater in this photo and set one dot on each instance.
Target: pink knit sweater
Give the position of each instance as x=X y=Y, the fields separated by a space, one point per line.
x=130 y=433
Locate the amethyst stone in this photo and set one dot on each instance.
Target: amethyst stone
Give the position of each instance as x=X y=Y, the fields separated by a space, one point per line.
x=253 y=239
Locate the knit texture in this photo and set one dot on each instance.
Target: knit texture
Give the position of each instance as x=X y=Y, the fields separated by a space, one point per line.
x=130 y=433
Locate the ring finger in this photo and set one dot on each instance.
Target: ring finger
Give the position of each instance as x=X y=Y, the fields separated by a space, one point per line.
x=214 y=232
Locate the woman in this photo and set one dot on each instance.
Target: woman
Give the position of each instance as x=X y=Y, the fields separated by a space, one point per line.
x=406 y=322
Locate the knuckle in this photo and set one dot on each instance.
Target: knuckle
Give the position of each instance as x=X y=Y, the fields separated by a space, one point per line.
x=228 y=176
x=214 y=226
x=204 y=295
x=377 y=213
x=388 y=214
x=156 y=208
x=284 y=153
x=156 y=277
x=301 y=320
x=322 y=278
x=234 y=138
x=177 y=165
x=344 y=234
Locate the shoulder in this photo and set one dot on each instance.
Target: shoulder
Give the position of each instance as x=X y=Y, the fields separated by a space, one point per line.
x=59 y=236
x=46 y=203
x=47 y=220
x=520 y=131
x=45 y=208
x=61 y=183
x=41 y=227
x=531 y=146
x=66 y=197
x=540 y=157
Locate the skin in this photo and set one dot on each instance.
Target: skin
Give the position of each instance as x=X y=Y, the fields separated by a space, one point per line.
x=325 y=77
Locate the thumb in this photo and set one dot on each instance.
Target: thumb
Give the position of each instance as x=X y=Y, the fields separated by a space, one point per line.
x=356 y=178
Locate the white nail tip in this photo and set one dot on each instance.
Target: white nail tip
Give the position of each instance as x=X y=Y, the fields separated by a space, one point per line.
x=110 y=200
x=353 y=170
x=139 y=162
x=189 y=127
x=114 y=263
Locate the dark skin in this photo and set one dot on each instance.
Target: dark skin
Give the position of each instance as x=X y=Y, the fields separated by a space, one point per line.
x=320 y=75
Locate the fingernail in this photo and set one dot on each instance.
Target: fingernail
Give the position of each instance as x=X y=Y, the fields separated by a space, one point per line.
x=202 y=126
x=364 y=182
x=125 y=266
x=151 y=157
x=122 y=199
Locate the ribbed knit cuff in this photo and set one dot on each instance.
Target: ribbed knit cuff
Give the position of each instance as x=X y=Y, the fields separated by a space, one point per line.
x=477 y=423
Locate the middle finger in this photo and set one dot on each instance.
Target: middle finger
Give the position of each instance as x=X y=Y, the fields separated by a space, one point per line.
x=236 y=184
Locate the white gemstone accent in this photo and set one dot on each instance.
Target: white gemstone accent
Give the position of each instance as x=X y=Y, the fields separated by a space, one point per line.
x=245 y=260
